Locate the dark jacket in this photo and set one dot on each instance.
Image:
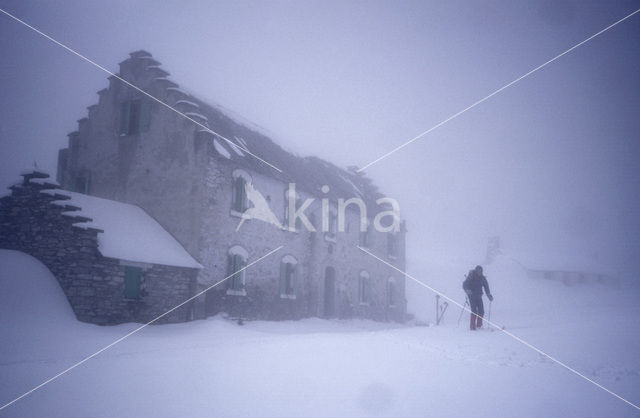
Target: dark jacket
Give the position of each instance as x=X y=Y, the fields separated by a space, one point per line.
x=474 y=283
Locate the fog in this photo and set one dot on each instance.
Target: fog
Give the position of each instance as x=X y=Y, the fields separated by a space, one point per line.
x=549 y=164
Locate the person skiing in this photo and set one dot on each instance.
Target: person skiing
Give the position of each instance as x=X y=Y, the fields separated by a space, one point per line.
x=473 y=285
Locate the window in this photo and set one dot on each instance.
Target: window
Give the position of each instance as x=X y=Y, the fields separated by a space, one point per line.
x=298 y=202
x=239 y=202
x=132 y=282
x=287 y=215
x=332 y=225
x=363 y=288
x=135 y=116
x=392 y=245
x=288 y=276
x=82 y=183
x=391 y=292
x=365 y=235
x=236 y=261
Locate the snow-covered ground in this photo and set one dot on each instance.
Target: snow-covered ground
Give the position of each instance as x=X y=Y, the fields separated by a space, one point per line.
x=325 y=368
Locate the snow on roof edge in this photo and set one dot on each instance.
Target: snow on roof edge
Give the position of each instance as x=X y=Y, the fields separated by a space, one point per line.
x=559 y=262
x=130 y=233
x=220 y=149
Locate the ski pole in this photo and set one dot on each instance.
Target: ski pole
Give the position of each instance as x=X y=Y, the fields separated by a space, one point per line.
x=490 y=302
x=466 y=302
x=489 y=321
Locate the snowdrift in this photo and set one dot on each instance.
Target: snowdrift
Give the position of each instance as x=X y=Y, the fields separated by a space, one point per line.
x=30 y=295
x=34 y=311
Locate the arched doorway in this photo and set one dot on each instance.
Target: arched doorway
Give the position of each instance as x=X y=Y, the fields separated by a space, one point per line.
x=329 y=292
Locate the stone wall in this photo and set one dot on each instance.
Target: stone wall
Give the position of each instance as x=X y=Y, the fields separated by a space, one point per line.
x=93 y=284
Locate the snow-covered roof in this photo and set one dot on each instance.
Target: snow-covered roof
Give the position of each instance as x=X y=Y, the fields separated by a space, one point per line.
x=178 y=90
x=44 y=181
x=35 y=172
x=221 y=149
x=235 y=148
x=129 y=232
x=196 y=115
x=242 y=142
x=559 y=262
x=166 y=80
x=187 y=102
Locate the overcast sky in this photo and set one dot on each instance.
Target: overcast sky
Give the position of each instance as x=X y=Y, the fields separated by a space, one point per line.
x=550 y=164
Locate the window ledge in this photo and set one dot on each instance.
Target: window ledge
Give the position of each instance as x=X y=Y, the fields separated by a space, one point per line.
x=235 y=213
x=287 y=296
x=242 y=292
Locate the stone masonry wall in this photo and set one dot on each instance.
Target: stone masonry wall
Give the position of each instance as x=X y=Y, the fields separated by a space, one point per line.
x=93 y=284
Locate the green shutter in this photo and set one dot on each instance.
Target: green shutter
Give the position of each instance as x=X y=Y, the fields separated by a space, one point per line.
x=236 y=265
x=298 y=219
x=233 y=272
x=80 y=185
x=366 y=290
x=230 y=271
x=236 y=277
x=243 y=196
x=294 y=278
x=283 y=278
x=285 y=218
x=125 y=111
x=134 y=117
x=145 y=115
x=332 y=224
x=238 y=192
x=239 y=195
x=391 y=244
x=132 y=282
x=234 y=194
x=240 y=265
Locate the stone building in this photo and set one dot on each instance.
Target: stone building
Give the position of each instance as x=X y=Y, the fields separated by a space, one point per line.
x=192 y=173
x=113 y=261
